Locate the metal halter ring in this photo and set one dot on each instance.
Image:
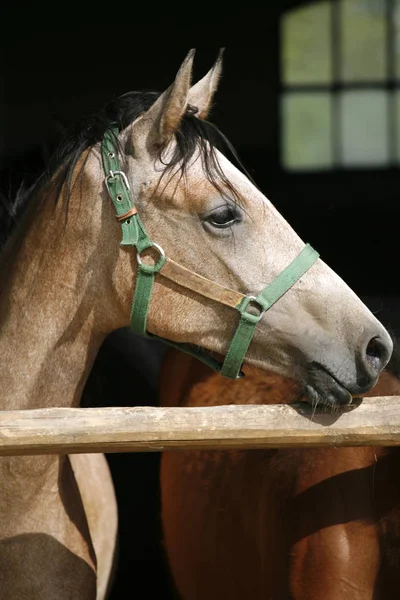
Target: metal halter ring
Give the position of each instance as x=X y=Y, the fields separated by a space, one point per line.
x=253 y=301
x=154 y=245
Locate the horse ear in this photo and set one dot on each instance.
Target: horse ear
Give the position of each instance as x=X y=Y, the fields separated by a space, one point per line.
x=202 y=93
x=160 y=122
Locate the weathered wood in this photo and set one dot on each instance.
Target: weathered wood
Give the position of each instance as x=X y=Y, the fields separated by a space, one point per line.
x=74 y=430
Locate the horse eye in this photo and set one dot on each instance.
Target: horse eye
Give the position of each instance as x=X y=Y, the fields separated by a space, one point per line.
x=223 y=217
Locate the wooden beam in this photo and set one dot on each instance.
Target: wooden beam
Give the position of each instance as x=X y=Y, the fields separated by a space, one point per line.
x=376 y=421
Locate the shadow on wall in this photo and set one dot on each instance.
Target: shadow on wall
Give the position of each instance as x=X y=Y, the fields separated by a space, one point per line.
x=125 y=373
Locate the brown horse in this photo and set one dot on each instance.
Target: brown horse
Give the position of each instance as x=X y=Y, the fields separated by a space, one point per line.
x=66 y=282
x=303 y=524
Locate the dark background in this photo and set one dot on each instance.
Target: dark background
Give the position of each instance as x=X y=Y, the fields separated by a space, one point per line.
x=55 y=77
x=51 y=76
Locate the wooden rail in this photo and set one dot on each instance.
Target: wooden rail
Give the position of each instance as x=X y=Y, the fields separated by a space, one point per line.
x=376 y=421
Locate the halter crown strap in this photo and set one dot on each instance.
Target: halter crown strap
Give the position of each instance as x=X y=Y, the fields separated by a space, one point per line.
x=134 y=234
x=118 y=187
x=133 y=230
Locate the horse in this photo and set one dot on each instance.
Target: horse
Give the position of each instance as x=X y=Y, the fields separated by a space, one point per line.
x=149 y=167
x=298 y=524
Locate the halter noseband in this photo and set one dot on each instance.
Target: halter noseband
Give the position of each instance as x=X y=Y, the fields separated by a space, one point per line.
x=134 y=234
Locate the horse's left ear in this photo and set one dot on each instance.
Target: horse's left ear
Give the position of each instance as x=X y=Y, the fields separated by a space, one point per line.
x=156 y=127
x=202 y=93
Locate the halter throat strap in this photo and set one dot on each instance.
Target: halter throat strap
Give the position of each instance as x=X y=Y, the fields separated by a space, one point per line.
x=250 y=308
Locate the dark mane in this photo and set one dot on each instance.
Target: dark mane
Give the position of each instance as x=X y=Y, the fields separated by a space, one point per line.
x=123 y=111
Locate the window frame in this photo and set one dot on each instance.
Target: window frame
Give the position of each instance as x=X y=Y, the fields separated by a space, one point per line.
x=389 y=85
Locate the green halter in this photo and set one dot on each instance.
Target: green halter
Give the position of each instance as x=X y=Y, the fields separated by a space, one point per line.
x=134 y=234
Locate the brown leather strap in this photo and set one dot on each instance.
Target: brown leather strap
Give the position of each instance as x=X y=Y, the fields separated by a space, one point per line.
x=197 y=283
x=132 y=211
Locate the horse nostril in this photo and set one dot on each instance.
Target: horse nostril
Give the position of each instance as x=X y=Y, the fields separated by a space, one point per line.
x=377 y=353
x=374 y=348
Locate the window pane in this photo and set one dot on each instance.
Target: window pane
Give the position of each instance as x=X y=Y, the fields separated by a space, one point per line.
x=364 y=128
x=307 y=130
x=363 y=30
x=396 y=44
x=306 y=44
x=397 y=125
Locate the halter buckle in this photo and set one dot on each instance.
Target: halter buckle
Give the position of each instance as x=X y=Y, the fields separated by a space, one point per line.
x=111 y=175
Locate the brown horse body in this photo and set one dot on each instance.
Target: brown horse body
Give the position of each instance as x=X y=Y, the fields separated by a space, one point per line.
x=300 y=524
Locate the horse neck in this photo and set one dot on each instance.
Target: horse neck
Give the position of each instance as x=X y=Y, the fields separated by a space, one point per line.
x=50 y=322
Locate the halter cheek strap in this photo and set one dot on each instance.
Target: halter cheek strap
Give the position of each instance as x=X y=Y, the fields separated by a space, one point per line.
x=134 y=234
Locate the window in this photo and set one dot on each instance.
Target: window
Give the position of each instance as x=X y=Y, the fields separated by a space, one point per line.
x=340 y=72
